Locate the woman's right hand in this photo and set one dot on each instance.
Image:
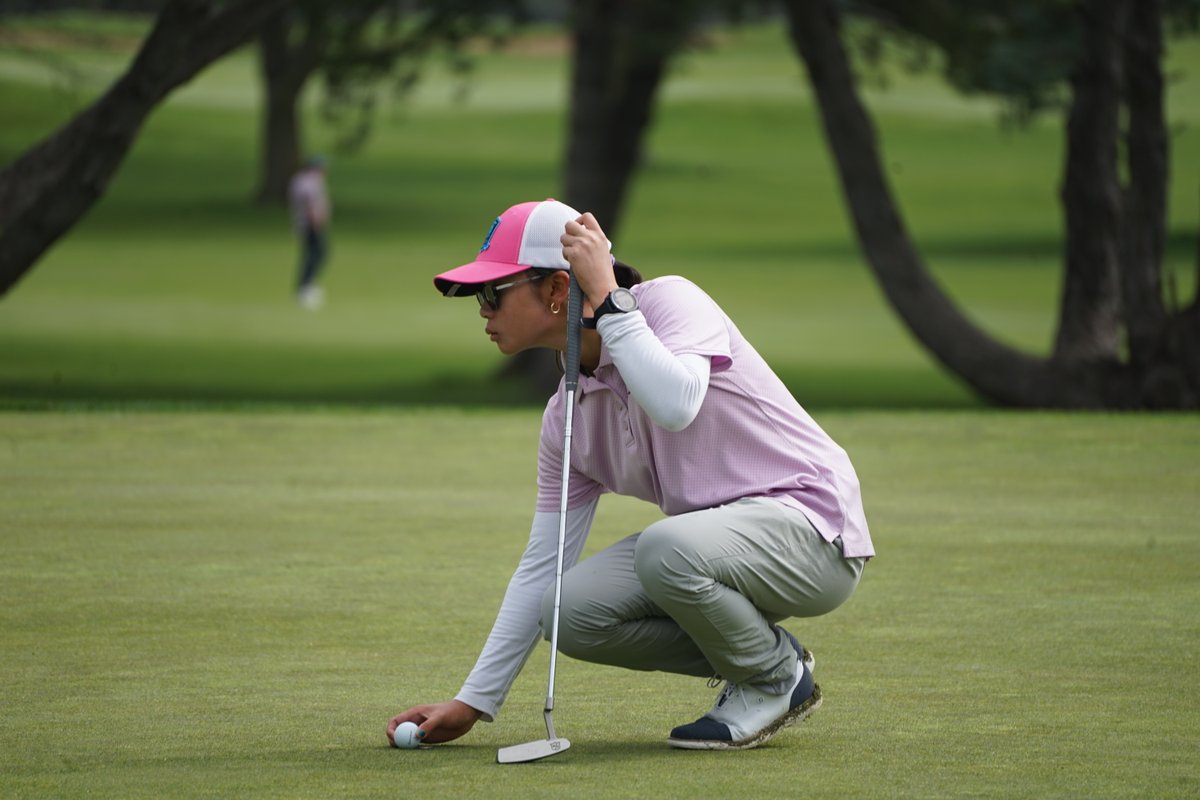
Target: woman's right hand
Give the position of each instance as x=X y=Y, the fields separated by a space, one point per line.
x=587 y=249
x=439 y=722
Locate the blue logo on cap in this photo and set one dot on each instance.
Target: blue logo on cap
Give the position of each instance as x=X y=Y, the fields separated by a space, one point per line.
x=487 y=240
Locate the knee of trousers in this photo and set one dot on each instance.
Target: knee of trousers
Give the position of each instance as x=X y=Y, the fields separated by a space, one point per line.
x=662 y=558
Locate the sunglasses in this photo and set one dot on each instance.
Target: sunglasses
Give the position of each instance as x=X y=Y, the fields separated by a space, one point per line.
x=489 y=295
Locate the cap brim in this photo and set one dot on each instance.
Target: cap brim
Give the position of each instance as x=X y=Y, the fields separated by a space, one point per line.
x=469 y=278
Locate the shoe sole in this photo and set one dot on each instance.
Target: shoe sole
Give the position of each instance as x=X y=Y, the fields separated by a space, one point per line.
x=797 y=714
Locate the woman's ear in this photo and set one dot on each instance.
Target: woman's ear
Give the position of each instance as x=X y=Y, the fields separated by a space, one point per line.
x=559 y=283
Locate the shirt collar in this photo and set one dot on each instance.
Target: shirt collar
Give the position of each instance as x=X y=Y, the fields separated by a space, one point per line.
x=596 y=380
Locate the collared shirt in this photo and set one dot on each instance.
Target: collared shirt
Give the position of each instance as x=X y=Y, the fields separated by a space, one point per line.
x=751 y=438
x=308 y=200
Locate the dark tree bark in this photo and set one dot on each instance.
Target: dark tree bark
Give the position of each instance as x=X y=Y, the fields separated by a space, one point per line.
x=990 y=367
x=1091 y=191
x=285 y=67
x=50 y=187
x=1144 y=226
x=621 y=52
x=622 y=49
x=1106 y=228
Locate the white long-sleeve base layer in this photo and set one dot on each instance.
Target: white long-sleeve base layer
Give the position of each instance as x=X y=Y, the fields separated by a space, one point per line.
x=670 y=389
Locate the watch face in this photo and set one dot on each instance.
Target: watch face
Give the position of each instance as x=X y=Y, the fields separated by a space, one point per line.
x=624 y=300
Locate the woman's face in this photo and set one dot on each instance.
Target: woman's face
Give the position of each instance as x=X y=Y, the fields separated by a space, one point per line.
x=518 y=316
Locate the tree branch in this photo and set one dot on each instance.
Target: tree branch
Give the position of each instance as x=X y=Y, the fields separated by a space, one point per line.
x=995 y=370
x=52 y=185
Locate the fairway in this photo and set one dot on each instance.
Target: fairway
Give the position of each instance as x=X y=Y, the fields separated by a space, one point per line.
x=199 y=604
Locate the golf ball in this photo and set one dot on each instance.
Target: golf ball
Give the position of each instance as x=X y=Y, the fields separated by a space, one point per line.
x=405 y=736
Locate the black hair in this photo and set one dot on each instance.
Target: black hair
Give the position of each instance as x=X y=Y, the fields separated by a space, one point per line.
x=627 y=276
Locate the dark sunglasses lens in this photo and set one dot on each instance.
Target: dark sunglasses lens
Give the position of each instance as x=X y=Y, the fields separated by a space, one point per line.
x=488 y=298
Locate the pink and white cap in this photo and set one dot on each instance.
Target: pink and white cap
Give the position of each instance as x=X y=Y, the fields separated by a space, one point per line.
x=523 y=237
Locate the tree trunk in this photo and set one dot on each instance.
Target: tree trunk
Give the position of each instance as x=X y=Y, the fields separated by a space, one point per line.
x=621 y=54
x=285 y=67
x=1091 y=193
x=1144 y=227
x=1164 y=344
x=279 y=155
x=1085 y=371
x=993 y=369
x=53 y=184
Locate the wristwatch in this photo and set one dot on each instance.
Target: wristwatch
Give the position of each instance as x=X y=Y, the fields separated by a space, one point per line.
x=619 y=301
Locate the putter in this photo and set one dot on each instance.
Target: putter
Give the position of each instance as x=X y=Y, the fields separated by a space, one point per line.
x=554 y=744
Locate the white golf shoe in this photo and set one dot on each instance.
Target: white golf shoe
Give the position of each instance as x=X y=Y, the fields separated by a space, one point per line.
x=745 y=716
x=311 y=297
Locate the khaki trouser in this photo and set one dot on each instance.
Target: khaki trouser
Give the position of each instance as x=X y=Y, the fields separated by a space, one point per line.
x=699 y=593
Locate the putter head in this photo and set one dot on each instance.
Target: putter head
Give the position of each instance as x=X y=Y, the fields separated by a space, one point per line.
x=531 y=751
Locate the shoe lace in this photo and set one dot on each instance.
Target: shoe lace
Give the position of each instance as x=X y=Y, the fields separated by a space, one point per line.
x=730 y=690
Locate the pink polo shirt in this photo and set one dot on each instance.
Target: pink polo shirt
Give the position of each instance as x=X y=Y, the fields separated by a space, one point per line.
x=750 y=439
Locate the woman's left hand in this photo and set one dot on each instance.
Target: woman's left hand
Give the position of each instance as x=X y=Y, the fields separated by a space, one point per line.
x=585 y=247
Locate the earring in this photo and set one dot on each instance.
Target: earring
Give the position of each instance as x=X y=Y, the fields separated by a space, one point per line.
x=555 y=308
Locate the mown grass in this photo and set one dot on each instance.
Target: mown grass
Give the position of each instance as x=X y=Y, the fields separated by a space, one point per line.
x=199 y=604
x=175 y=288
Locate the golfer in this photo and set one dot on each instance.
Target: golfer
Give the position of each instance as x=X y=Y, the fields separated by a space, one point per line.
x=764 y=520
x=308 y=198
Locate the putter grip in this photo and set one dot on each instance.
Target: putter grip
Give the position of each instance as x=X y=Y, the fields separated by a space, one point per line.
x=574 y=322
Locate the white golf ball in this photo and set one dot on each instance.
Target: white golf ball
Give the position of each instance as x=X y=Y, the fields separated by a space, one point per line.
x=405 y=736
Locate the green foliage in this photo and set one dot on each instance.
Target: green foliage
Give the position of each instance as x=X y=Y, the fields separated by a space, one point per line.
x=233 y=605
x=1183 y=15
x=372 y=42
x=1019 y=51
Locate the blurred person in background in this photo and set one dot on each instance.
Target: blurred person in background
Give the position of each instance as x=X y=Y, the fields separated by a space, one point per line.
x=308 y=199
